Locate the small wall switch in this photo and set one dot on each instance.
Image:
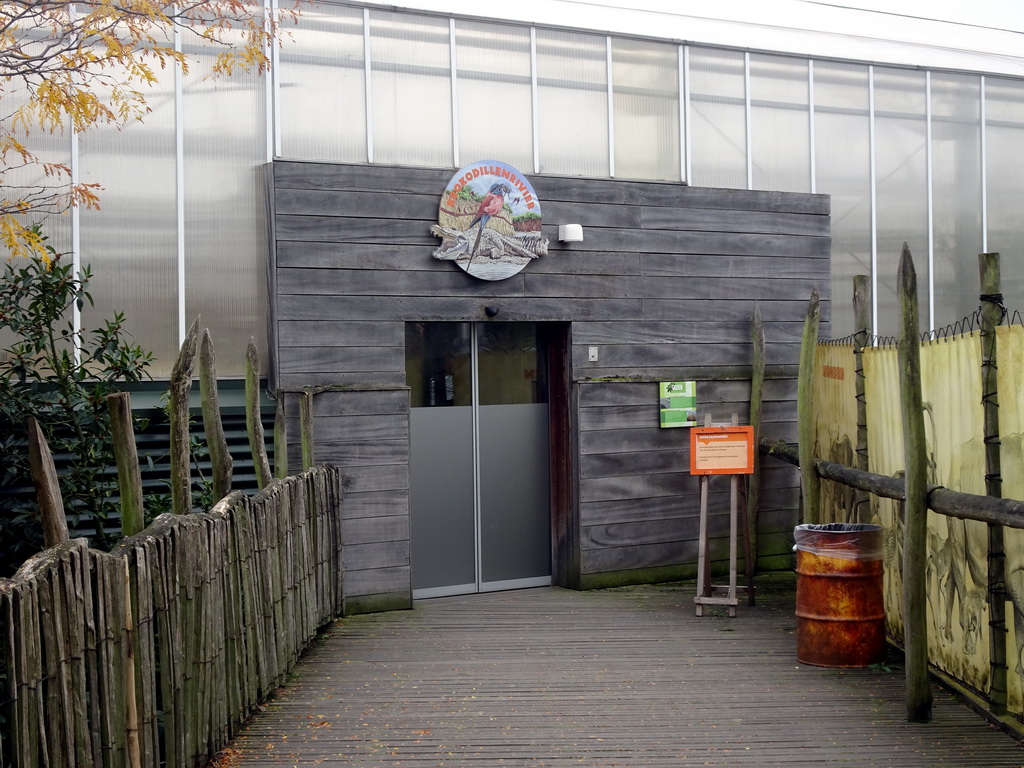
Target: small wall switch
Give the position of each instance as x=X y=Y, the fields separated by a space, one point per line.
x=592 y=354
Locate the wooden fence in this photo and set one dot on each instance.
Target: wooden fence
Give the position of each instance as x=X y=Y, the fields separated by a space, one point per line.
x=154 y=654
x=934 y=562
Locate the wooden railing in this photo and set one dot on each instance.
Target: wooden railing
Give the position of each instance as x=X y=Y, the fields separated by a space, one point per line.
x=154 y=654
x=925 y=562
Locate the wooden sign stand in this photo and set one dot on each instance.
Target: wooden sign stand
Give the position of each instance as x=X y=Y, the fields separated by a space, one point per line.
x=731 y=453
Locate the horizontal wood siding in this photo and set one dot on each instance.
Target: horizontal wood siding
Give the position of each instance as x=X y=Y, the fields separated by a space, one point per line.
x=365 y=433
x=639 y=504
x=663 y=286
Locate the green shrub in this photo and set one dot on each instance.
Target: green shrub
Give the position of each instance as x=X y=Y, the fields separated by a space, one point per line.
x=61 y=375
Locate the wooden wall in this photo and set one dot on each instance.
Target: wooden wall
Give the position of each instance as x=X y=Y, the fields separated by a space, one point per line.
x=663 y=285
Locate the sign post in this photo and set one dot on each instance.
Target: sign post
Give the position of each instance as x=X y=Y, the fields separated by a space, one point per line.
x=719 y=451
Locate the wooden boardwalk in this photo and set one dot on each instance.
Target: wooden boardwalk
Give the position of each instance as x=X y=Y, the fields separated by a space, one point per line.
x=621 y=677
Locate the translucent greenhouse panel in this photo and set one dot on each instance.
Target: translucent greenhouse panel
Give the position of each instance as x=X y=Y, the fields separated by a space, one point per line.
x=572 y=73
x=1004 y=136
x=645 y=83
x=411 y=89
x=225 y=243
x=718 y=131
x=494 y=78
x=901 y=186
x=956 y=193
x=843 y=164
x=131 y=242
x=322 y=86
x=780 y=125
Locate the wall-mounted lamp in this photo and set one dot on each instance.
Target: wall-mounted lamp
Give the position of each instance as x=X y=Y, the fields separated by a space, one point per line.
x=570 y=233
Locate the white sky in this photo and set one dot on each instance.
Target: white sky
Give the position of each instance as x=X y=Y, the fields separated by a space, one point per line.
x=992 y=14
x=971 y=35
x=996 y=14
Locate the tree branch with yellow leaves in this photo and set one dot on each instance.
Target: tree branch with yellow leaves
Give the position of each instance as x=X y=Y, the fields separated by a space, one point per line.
x=75 y=65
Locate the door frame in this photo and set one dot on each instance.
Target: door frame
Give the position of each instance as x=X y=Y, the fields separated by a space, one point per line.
x=556 y=337
x=563 y=446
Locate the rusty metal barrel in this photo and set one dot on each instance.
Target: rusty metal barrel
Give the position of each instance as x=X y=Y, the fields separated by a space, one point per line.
x=840 y=604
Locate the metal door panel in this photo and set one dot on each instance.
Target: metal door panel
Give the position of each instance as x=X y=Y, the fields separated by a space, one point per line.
x=443 y=500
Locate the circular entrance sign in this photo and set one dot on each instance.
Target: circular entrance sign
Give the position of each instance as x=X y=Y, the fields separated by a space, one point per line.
x=489 y=221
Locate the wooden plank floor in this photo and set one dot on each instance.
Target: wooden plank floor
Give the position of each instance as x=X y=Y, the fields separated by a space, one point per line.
x=620 y=677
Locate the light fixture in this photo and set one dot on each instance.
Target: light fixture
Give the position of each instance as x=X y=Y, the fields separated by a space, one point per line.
x=570 y=233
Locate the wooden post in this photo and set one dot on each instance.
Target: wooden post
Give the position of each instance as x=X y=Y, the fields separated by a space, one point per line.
x=991 y=317
x=129 y=478
x=915 y=544
x=306 y=429
x=131 y=724
x=703 y=556
x=44 y=478
x=754 y=480
x=216 y=441
x=734 y=488
x=178 y=392
x=862 y=321
x=809 y=483
x=280 y=438
x=253 y=420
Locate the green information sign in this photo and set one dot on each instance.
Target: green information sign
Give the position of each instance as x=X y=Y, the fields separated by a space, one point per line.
x=678 y=403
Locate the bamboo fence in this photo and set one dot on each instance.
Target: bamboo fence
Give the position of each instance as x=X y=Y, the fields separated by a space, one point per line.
x=155 y=653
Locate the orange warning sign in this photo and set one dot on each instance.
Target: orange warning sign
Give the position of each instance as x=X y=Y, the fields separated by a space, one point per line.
x=721 y=450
